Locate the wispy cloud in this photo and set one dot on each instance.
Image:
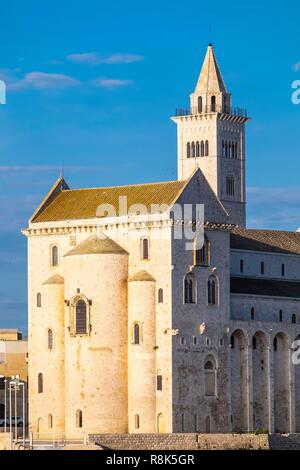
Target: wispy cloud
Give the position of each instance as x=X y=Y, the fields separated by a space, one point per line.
x=43 y=81
x=93 y=58
x=49 y=168
x=36 y=80
x=296 y=66
x=274 y=207
x=111 y=82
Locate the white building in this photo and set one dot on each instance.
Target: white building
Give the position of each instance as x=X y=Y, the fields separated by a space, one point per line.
x=131 y=332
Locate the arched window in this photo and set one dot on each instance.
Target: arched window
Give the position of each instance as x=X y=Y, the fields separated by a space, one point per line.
x=213 y=104
x=229 y=186
x=254 y=342
x=226 y=149
x=229 y=149
x=160 y=296
x=233 y=149
x=210 y=377
x=39 y=300
x=197 y=149
x=81 y=317
x=275 y=344
x=50 y=339
x=202 y=255
x=159 y=381
x=145 y=248
x=280 y=315
x=241 y=266
x=40 y=383
x=206 y=148
x=223 y=148
x=294 y=318
x=188 y=150
x=212 y=290
x=189 y=289
x=78 y=419
x=225 y=103
x=136 y=333
x=232 y=341
x=236 y=149
x=202 y=148
x=200 y=104
x=193 y=148
x=137 y=421
x=252 y=313
x=50 y=421
x=54 y=255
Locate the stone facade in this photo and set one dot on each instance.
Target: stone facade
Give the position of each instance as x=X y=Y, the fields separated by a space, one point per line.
x=130 y=332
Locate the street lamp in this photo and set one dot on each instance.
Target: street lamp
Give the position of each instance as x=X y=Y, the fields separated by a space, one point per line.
x=14 y=386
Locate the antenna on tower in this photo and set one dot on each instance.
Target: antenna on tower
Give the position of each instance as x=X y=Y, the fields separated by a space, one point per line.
x=62 y=170
x=210 y=35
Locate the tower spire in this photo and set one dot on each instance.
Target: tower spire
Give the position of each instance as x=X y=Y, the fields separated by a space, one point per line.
x=210 y=78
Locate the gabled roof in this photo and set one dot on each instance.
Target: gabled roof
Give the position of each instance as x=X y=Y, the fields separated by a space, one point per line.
x=97 y=245
x=210 y=78
x=83 y=203
x=59 y=186
x=276 y=241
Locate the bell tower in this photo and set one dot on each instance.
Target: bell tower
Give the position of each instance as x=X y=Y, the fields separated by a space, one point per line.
x=211 y=136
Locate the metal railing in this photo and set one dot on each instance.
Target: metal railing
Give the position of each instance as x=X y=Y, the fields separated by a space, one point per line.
x=241 y=112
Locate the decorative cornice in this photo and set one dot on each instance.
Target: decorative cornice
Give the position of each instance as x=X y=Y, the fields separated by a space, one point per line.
x=94 y=228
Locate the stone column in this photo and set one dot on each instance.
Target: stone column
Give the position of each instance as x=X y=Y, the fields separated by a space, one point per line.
x=250 y=388
x=270 y=363
x=292 y=392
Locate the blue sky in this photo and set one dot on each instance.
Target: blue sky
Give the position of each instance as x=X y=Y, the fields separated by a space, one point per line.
x=92 y=85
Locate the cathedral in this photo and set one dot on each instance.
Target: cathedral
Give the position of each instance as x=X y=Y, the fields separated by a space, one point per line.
x=130 y=332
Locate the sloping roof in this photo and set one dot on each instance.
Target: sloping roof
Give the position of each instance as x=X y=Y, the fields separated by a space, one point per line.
x=210 y=79
x=142 y=276
x=83 y=203
x=95 y=245
x=59 y=186
x=277 y=241
x=269 y=287
x=56 y=279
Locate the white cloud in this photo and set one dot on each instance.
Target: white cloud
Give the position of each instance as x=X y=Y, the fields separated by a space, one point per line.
x=43 y=81
x=49 y=168
x=93 y=58
x=111 y=83
x=277 y=208
x=35 y=80
x=296 y=66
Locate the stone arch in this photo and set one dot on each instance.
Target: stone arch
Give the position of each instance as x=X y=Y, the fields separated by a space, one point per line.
x=210 y=376
x=260 y=381
x=161 y=423
x=239 y=382
x=282 y=399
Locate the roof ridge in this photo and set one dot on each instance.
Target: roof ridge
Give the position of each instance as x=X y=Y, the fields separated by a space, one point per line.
x=127 y=185
x=265 y=230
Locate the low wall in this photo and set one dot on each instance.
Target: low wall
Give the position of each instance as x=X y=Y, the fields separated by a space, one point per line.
x=233 y=442
x=4 y=441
